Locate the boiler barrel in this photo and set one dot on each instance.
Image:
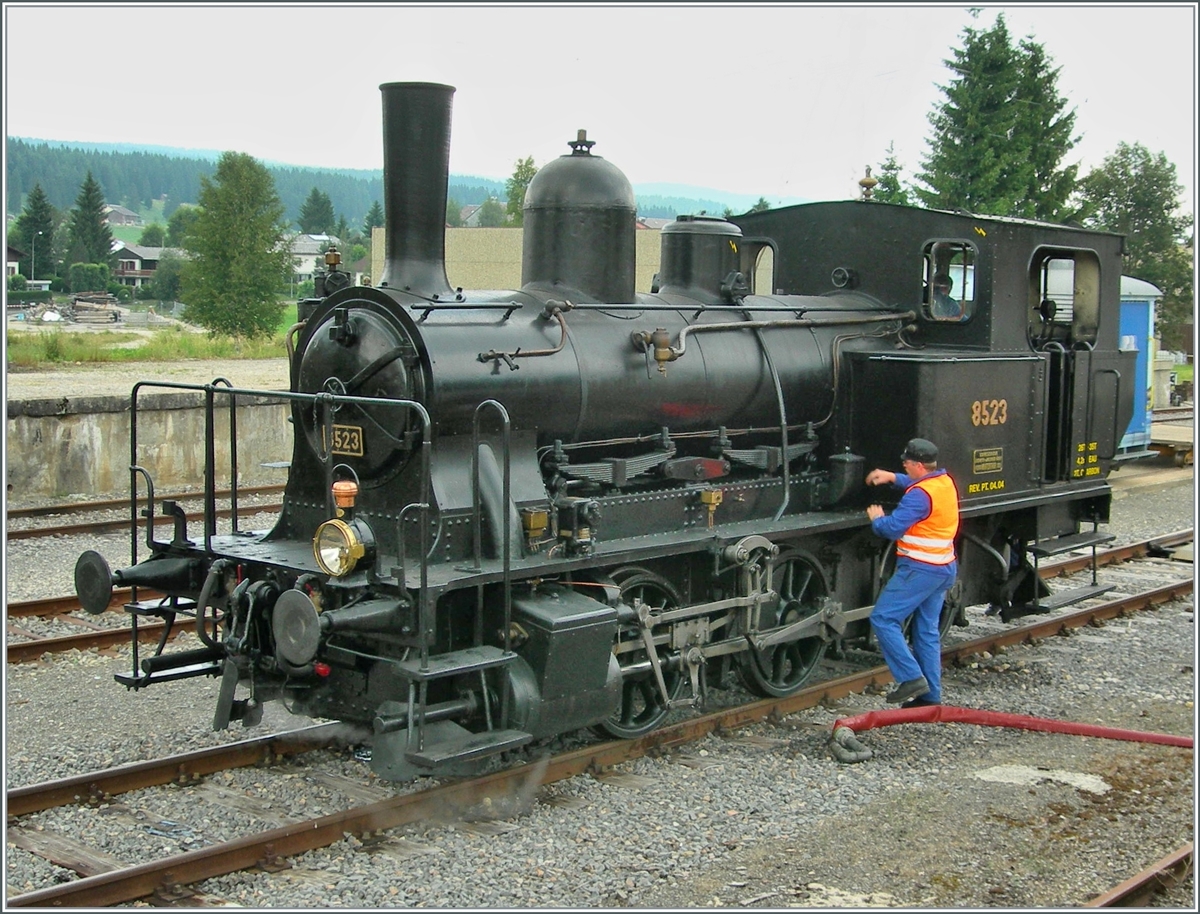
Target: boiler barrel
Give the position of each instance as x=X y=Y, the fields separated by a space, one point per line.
x=600 y=386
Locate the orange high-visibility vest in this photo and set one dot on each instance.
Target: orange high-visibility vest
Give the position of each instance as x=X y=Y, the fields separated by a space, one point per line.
x=932 y=540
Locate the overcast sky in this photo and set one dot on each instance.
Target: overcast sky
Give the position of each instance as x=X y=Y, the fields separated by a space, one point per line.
x=779 y=100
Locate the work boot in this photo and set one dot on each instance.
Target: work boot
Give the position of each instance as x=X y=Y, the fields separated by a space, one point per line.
x=913 y=688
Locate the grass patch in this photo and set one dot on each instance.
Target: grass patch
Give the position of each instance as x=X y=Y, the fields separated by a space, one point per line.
x=127 y=233
x=56 y=347
x=59 y=346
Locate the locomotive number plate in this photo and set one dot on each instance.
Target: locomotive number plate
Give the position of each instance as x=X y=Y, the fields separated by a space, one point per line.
x=347 y=440
x=989 y=412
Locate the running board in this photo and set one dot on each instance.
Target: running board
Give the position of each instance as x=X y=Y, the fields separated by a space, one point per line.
x=1056 y=601
x=445 y=742
x=1062 y=544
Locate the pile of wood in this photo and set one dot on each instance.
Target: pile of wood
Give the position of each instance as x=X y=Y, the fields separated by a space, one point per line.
x=85 y=307
x=93 y=307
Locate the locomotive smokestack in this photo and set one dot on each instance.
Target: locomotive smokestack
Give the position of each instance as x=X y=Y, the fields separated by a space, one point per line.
x=416 y=171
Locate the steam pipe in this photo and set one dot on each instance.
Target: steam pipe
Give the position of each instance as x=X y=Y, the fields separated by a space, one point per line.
x=668 y=353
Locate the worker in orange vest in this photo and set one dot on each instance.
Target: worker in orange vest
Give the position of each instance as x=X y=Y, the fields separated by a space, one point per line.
x=923 y=525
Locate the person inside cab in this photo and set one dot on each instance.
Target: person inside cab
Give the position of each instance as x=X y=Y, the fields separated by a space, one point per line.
x=944 y=306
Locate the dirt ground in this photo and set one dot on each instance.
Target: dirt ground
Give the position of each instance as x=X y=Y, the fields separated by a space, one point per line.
x=117 y=379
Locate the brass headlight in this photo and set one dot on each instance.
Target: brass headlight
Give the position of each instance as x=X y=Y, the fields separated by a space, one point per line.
x=337 y=547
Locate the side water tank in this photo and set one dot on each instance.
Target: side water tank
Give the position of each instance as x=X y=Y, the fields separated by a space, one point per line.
x=700 y=259
x=580 y=228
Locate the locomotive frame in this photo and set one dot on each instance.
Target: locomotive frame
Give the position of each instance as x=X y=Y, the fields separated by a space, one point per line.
x=510 y=514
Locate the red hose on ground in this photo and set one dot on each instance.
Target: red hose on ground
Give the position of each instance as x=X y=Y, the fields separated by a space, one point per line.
x=931 y=714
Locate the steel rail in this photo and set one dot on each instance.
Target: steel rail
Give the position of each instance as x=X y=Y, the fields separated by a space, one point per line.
x=181 y=769
x=68 y=603
x=1136 y=891
x=30 y=651
x=117 y=526
x=114 y=504
x=1172 y=413
x=457 y=799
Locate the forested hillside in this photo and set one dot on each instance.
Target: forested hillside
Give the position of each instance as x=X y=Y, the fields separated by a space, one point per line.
x=134 y=179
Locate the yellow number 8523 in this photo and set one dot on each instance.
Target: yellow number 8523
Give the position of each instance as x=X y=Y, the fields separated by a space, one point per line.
x=989 y=412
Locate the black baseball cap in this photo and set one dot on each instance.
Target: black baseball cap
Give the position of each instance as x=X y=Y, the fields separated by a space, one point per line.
x=921 y=451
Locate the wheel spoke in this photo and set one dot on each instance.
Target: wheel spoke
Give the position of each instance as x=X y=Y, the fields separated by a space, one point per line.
x=641 y=708
x=783 y=668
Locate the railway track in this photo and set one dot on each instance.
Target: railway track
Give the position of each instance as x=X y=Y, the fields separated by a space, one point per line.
x=1136 y=891
x=1173 y=413
x=165 y=879
x=99 y=637
x=117 y=504
x=117 y=526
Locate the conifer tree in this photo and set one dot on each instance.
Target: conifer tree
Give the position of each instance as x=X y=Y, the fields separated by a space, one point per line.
x=374 y=218
x=316 y=215
x=239 y=259
x=1001 y=134
x=889 y=189
x=89 y=236
x=33 y=232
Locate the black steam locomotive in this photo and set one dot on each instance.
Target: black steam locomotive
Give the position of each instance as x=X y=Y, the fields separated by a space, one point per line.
x=510 y=514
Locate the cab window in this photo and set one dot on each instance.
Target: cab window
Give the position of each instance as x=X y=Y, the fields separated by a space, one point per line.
x=948 y=282
x=1064 y=297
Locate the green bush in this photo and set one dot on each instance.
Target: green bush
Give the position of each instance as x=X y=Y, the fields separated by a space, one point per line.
x=120 y=290
x=88 y=277
x=51 y=344
x=29 y=296
x=17 y=283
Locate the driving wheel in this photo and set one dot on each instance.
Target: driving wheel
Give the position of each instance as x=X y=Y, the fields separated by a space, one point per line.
x=641 y=708
x=781 y=669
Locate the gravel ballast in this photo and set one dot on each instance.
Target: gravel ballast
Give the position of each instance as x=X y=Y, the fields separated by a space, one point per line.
x=951 y=815
x=945 y=815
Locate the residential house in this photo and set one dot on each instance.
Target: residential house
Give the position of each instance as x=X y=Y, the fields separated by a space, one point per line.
x=136 y=263
x=119 y=215
x=13 y=264
x=308 y=254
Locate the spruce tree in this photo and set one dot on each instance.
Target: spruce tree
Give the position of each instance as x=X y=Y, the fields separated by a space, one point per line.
x=374 y=218
x=1002 y=132
x=89 y=236
x=33 y=232
x=889 y=189
x=316 y=214
x=239 y=259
